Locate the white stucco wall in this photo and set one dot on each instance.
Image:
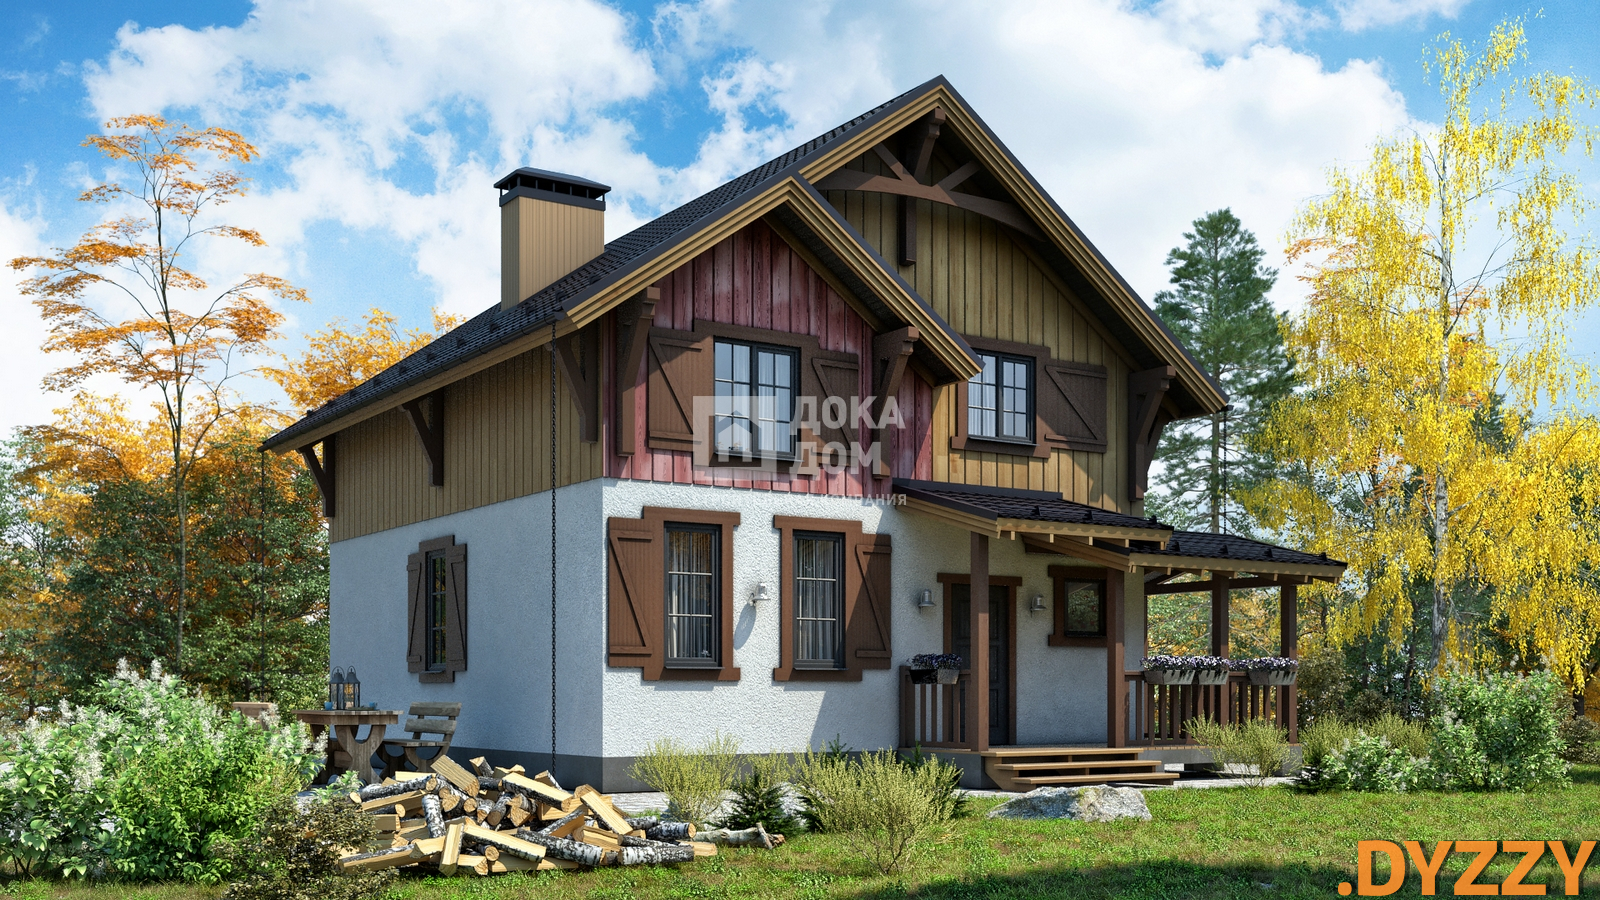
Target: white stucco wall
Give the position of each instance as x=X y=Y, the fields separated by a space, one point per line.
x=613 y=712
x=505 y=693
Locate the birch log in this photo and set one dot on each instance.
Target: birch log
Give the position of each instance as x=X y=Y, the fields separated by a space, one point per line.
x=517 y=845
x=645 y=822
x=563 y=848
x=743 y=837
x=374 y=791
x=378 y=859
x=433 y=812
x=669 y=831
x=663 y=853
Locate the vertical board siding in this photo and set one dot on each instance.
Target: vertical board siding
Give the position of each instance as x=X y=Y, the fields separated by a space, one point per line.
x=496 y=447
x=985 y=284
x=754 y=278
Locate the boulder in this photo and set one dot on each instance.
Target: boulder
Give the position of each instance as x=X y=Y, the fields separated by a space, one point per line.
x=1095 y=803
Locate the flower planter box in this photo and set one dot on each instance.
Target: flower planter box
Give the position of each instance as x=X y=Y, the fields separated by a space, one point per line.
x=948 y=676
x=1169 y=676
x=924 y=676
x=1271 y=678
x=1211 y=676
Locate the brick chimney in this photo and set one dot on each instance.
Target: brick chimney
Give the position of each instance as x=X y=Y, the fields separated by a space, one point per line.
x=550 y=224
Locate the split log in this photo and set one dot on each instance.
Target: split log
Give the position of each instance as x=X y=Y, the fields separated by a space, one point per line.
x=742 y=837
x=516 y=845
x=564 y=821
x=669 y=831
x=500 y=772
x=426 y=784
x=604 y=811
x=449 y=797
x=378 y=859
x=563 y=848
x=434 y=813
x=481 y=765
x=536 y=790
x=489 y=782
x=428 y=848
x=598 y=837
x=701 y=848
x=665 y=853
x=497 y=811
x=390 y=822
x=492 y=853
x=389 y=801
x=407 y=835
x=520 y=811
x=468 y=862
x=449 y=857
x=546 y=778
x=465 y=782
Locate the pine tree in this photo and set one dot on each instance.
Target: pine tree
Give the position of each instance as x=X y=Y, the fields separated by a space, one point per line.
x=1219 y=310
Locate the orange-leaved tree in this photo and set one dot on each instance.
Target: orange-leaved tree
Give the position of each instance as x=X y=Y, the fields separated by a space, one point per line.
x=336 y=360
x=182 y=339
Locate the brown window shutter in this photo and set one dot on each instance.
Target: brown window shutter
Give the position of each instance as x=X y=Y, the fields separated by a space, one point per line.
x=634 y=613
x=416 y=615
x=455 y=634
x=1072 y=405
x=680 y=370
x=829 y=374
x=868 y=642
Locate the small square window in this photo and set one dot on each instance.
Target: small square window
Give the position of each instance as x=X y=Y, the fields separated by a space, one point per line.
x=1086 y=608
x=1000 y=398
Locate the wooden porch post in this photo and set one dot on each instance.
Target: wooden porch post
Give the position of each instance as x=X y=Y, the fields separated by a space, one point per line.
x=1289 y=646
x=1116 y=682
x=979 y=663
x=1219 y=638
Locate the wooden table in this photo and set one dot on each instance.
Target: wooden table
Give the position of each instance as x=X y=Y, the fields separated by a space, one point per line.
x=343 y=725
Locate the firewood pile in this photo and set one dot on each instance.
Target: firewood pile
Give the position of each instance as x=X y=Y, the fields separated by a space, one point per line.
x=492 y=820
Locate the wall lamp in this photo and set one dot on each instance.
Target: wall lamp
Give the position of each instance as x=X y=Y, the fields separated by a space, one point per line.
x=759 y=594
x=925 y=599
x=1037 y=606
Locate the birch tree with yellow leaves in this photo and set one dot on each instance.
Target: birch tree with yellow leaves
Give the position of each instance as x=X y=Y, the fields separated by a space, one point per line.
x=126 y=300
x=1438 y=443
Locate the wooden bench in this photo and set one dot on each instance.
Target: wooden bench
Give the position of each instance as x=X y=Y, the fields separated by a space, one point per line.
x=426 y=718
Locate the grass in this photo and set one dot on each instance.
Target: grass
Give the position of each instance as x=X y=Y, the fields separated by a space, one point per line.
x=1218 y=843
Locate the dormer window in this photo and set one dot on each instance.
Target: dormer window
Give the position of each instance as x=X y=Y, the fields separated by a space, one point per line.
x=754 y=401
x=1000 y=398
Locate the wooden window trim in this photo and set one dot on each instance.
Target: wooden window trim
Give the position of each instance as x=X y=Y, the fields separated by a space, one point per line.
x=1012 y=584
x=1042 y=444
x=651 y=658
x=1059 y=577
x=856 y=541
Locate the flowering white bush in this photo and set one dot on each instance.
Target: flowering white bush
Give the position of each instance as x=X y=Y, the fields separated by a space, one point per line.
x=140 y=782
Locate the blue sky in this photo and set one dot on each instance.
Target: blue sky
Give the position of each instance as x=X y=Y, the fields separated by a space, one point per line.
x=384 y=125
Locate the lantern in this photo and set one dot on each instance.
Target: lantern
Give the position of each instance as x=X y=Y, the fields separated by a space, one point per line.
x=336 y=689
x=352 y=690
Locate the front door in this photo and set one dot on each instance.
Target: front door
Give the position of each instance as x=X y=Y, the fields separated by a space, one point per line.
x=1000 y=610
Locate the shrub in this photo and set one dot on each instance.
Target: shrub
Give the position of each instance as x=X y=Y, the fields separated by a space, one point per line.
x=1580 y=739
x=882 y=806
x=1500 y=732
x=950 y=797
x=1324 y=737
x=694 y=780
x=293 y=854
x=1403 y=735
x=1254 y=748
x=1370 y=763
x=142 y=783
x=758 y=797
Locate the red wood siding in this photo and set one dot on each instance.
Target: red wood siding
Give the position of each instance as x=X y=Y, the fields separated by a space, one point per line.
x=753 y=278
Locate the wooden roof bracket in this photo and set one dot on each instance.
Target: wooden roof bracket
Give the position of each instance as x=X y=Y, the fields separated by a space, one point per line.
x=578 y=354
x=634 y=318
x=1146 y=390
x=430 y=430
x=891 y=351
x=918 y=146
x=322 y=471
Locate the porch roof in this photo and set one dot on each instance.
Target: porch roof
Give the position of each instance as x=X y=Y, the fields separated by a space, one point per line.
x=1012 y=512
x=1202 y=550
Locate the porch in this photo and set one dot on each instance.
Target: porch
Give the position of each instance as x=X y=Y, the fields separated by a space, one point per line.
x=1145 y=723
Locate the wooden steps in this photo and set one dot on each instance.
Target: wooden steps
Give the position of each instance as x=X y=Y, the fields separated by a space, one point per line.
x=1026 y=768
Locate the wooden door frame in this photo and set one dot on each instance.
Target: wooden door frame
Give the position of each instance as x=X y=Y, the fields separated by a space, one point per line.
x=1012 y=583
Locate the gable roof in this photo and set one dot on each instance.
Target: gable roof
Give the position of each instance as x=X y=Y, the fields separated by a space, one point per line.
x=783 y=188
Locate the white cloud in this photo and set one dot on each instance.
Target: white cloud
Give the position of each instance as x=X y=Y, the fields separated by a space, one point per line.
x=1360 y=15
x=21 y=364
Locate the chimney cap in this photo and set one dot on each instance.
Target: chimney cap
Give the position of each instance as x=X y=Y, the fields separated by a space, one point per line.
x=560 y=182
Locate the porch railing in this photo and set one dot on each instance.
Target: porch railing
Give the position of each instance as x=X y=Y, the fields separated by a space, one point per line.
x=1157 y=713
x=934 y=715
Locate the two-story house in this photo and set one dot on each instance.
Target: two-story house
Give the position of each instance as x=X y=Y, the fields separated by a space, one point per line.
x=731 y=470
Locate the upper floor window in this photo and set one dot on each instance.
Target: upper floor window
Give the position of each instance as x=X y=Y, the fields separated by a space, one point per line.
x=1000 y=398
x=692 y=588
x=819 y=600
x=754 y=401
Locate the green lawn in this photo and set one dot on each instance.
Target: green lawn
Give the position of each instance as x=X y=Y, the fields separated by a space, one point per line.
x=1222 y=843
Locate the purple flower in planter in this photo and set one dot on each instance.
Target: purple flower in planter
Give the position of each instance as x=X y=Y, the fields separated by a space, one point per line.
x=937 y=661
x=1267 y=664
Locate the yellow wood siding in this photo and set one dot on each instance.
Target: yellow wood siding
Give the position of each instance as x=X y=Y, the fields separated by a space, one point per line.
x=496 y=447
x=985 y=284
